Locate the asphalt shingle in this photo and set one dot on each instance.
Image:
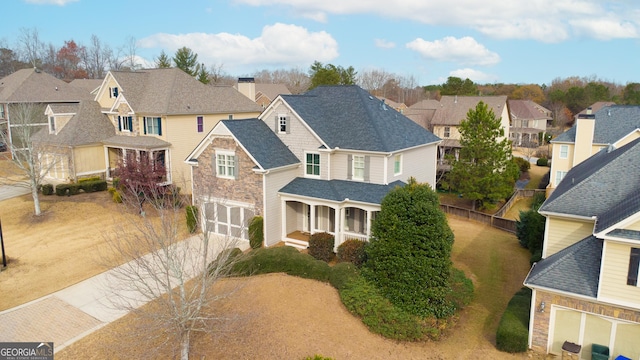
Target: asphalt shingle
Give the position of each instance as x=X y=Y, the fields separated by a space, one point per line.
x=339 y=190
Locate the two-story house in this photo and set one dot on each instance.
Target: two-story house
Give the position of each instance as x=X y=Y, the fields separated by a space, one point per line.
x=263 y=94
x=163 y=114
x=316 y=162
x=528 y=121
x=586 y=289
x=611 y=125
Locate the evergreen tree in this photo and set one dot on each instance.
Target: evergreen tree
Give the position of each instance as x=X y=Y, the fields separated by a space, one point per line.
x=187 y=60
x=331 y=75
x=484 y=171
x=163 y=61
x=457 y=86
x=409 y=257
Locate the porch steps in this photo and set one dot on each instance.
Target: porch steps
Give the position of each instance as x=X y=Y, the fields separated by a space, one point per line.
x=296 y=243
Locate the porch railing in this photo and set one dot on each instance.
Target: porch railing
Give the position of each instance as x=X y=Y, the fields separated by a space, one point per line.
x=352 y=235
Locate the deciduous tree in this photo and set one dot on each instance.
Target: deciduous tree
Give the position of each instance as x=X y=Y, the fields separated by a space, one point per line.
x=457 y=86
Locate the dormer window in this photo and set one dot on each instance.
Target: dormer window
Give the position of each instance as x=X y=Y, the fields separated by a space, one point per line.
x=113 y=92
x=52 y=125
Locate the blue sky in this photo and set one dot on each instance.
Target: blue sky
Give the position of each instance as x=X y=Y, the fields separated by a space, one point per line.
x=517 y=41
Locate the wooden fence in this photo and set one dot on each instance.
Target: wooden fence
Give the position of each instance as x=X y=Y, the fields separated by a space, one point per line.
x=495 y=220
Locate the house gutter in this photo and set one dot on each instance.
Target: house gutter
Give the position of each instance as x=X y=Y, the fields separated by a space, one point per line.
x=569 y=216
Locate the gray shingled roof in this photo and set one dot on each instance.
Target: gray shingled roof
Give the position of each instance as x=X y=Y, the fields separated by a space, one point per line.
x=349 y=118
x=627 y=207
x=528 y=110
x=575 y=269
x=339 y=190
x=598 y=184
x=31 y=86
x=454 y=109
x=261 y=143
x=87 y=126
x=626 y=234
x=137 y=142
x=173 y=92
x=271 y=91
x=612 y=123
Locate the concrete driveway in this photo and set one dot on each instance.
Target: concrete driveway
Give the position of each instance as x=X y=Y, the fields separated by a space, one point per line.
x=10 y=191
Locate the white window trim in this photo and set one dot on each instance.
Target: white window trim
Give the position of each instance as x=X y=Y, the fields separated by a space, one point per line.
x=566 y=155
x=394 y=165
x=361 y=159
x=560 y=175
x=151 y=120
x=283 y=118
x=306 y=174
x=226 y=154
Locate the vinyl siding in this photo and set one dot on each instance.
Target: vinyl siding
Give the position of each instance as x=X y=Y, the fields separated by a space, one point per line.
x=559 y=164
x=563 y=233
x=89 y=159
x=272 y=206
x=627 y=139
x=419 y=163
x=613 y=279
x=103 y=97
x=634 y=226
x=454 y=133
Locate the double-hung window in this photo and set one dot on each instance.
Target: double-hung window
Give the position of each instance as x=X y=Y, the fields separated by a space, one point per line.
x=564 y=151
x=282 y=124
x=312 y=164
x=397 y=165
x=125 y=123
x=447 y=132
x=358 y=167
x=634 y=267
x=559 y=176
x=200 y=123
x=113 y=92
x=226 y=164
x=153 y=125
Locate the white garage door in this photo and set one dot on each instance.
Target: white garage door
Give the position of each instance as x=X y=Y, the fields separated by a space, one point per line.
x=227 y=219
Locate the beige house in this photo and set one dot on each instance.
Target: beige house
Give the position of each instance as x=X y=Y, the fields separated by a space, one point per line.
x=262 y=94
x=528 y=121
x=586 y=289
x=163 y=114
x=317 y=162
x=612 y=125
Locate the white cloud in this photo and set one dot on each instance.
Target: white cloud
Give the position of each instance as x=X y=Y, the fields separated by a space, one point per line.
x=474 y=75
x=465 y=50
x=384 y=44
x=278 y=45
x=50 y=2
x=542 y=20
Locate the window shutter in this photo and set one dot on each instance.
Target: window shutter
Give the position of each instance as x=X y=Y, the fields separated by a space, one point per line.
x=277 y=126
x=634 y=264
x=119 y=124
x=130 y=119
x=367 y=160
x=287 y=125
x=349 y=167
x=236 y=167
x=144 y=124
x=160 y=126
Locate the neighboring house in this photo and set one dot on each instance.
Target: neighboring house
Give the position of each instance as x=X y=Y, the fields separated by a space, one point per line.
x=163 y=114
x=528 y=121
x=316 y=162
x=399 y=107
x=32 y=87
x=423 y=112
x=262 y=94
x=71 y=147
x=612 y=125
x=595 y=107
x=90 y=85
x=586 y=289
x=453 y=110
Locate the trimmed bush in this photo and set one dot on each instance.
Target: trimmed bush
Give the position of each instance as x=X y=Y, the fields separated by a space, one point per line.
x=284 y=259
x=67 y=189
x=523 y=164
x=342 y=274
x=513 y=330
x=461 y=288
x=542 y=162
x=229 y=257
x=89 y=186
x=115 y=195
x=352 y=251
x=256 y=232
x=47 y=189
x=321 y=246
x=192 y=218
x=93 y=178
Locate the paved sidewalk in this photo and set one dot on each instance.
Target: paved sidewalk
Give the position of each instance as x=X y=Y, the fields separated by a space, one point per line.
x=78 y=310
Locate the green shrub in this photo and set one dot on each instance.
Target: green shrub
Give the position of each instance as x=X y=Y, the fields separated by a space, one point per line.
x=364 y=300
x=47 y=189
x=352 y=251
x=343 y=273
x=228 y=258
x=67 y=189
x=542 y=162
x=89 y=186
x=93 y=178
x=535 y=256
x=321 y=246
x=192 y=218
x=115 y=195
x=513 y=330
x=523 y=164
x=530 y=229
x=461 y=289
x=284 y=259
x=318 y=357
x=256 y=232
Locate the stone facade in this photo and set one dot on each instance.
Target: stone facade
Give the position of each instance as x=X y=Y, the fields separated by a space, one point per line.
x=246 y=187
x=540 y=336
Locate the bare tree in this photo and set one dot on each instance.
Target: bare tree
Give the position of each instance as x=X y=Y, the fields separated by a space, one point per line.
x=96 y=58
x=177 y=274
x=32 y=159
x=374 y=80
x=31 y=47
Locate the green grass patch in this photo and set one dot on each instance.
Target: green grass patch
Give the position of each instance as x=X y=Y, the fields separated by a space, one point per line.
x=513 y=331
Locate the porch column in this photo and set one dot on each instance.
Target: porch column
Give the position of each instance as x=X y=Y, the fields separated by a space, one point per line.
x=368 y=232
x=312 y=218
x=283 y=219
x=336 y=226
x=340 y=226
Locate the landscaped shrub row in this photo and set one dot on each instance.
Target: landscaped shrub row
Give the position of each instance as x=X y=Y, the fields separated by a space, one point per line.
x=542 y=162
x=352 y=250
x=513 y=330
x=74 y=189
x=321 y=246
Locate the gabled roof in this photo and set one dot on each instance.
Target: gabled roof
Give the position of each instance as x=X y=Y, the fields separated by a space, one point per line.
x=262 y=144
x=89 y=85
x=595 y=107
x=598 y=185
x=35 y=86
x=87 y=126
x=422 y=112
x=528 y=110
x=575 y=269
x=348 y=117
x=454 y=109
x=136 y=142
x=173 y=92
x=612 y=123
x=339 y=190
x=271 y=91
